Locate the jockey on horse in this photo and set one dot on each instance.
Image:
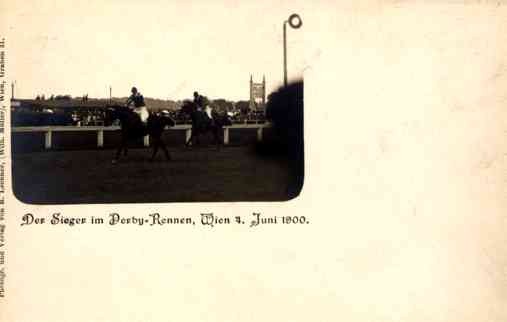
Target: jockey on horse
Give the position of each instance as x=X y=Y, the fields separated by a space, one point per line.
x=202 y=104
x=138 y=106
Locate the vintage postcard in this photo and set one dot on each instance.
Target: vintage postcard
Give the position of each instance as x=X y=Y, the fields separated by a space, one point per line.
x=241 y=161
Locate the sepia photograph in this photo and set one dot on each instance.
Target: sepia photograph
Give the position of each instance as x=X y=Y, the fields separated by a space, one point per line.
x=246 y=161
x=165 y=106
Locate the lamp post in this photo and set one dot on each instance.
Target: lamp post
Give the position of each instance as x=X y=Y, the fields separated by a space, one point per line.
x=295 y=22
x=13 y=84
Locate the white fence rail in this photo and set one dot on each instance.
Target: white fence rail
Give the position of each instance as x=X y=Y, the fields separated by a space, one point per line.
x=48 y=130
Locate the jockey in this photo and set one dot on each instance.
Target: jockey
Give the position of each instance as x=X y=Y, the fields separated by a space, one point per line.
x=198 y=101
x=137 y=100
x=203 y=105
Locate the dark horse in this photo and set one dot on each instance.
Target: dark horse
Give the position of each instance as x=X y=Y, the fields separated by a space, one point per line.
x=132 y=128
x=202 y=124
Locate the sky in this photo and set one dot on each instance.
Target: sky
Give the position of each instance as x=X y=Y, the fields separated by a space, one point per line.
x=167 y=49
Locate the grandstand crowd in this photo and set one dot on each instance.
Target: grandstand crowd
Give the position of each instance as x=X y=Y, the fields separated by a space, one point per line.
x=64 y=110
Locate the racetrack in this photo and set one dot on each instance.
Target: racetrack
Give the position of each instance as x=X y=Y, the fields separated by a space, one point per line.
x=199 y=174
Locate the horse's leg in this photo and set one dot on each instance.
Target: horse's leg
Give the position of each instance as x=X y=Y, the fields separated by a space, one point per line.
x=190 y=139
x=193 y=139
x=118 y=151
x=197 y=139
x=156 y=144
x=167 y=155
x=124 y=143
x=161 y=144
x=216 y=135
x=213 y=136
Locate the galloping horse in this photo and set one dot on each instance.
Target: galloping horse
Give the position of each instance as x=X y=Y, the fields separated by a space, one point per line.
x=132 y=128
x=202 y=124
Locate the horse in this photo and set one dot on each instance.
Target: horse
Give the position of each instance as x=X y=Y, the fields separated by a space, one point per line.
x=202 y=124
x=132 y=128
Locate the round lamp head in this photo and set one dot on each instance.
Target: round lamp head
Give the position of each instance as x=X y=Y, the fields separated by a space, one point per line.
x=295 y=21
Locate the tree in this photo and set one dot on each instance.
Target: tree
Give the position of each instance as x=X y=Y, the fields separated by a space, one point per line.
x=243 y=106
x=221 y=105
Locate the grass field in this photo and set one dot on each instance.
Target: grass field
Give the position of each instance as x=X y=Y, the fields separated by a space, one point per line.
x=197 y=174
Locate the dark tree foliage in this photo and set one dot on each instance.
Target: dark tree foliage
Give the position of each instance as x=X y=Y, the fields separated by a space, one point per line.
x=221 y=105
x=63 y=97
x=243 y=106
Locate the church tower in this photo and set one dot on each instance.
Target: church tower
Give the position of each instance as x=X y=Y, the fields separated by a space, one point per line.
x=258 y=95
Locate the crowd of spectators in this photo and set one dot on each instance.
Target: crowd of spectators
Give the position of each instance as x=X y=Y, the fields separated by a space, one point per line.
x=88 y=118
x=40 y=114
x=251 y=117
